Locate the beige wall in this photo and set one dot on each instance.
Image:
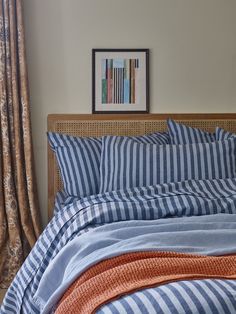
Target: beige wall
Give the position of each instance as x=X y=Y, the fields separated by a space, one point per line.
x=192 y=64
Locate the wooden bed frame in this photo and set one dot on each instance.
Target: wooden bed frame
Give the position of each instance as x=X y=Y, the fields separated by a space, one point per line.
x=121 y=124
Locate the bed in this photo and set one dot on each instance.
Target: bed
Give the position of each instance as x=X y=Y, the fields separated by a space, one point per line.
x=149 y=226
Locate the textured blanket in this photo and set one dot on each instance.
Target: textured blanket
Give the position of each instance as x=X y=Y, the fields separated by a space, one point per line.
x=189 y=198
x=213 y=235
x=129 y=272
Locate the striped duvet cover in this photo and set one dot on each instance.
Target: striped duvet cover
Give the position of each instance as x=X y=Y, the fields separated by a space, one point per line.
x=214 y=200
x=213 y=296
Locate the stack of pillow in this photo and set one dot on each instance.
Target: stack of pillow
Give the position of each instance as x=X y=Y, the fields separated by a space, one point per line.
x=96 y=165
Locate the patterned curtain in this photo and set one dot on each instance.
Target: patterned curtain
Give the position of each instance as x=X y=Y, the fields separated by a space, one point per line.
x=19 y=211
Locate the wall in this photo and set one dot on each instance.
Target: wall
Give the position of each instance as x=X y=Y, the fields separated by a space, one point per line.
x=192 y=63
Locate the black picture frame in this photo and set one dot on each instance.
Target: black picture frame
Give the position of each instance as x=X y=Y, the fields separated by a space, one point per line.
x=120 y=80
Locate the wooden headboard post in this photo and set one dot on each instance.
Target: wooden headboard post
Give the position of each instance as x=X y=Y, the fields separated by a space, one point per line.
x=97 y=125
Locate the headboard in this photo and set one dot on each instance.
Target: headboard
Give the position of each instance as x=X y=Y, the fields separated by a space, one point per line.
x=121 y=124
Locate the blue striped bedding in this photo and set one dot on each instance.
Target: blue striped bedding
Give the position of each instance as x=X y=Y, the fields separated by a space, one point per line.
x=183 y=134
x=222 y=134
x=187 y=198
x=79 y=158
x=126 y=163
x=201 y=235
x=209 y=296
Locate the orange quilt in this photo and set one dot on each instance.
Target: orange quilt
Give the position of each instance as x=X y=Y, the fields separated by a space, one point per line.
x=127 y=273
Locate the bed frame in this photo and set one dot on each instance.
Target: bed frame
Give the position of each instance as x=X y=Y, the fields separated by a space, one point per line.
x=121 y=124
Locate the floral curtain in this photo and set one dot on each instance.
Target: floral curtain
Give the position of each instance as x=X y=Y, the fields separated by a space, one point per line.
x=19 y=210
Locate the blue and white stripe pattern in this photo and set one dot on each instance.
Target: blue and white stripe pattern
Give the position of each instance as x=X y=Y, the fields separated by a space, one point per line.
x=147 y=203
x=61 y=200
x=79 y=160
x=222 y=134
x=125 y=163
x=160 y=138
x=209 y=296
x=183 y=134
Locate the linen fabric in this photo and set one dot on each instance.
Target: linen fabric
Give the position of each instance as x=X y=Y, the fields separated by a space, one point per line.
x=183 y=134
x=190 y=296
x=115 y=277
x=222 y=134
x=216 y=198
x=79 y=160
x=126 y=163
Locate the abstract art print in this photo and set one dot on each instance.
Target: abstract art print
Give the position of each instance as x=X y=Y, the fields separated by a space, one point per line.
x=120 y=80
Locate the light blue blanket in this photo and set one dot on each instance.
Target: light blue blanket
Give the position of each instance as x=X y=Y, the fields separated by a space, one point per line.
x=100 y=226
x=206 y=235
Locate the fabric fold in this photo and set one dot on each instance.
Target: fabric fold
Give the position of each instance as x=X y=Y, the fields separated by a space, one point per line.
x=127 y=273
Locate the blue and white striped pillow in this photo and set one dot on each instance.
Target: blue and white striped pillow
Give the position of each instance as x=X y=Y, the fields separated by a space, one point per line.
x=79 y=160
x=183 y=134
x=222 y=134
x=126 y=163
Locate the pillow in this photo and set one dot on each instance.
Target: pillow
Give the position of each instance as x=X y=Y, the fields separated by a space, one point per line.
x=126 y=163
x=183 y=134
x=79 y=160
x=221 y=134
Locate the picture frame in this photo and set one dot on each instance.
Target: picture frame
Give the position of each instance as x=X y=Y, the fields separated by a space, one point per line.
x=120 y=80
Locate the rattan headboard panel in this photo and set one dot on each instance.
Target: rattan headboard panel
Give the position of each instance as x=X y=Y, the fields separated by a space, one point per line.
x=99 y=125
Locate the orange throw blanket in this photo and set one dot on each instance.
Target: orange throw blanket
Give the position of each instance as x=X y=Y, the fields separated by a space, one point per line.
x=127 y=273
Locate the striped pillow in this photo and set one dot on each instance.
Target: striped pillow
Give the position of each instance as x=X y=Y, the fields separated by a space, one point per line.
x=79 y=160
x=183 y=134
x=221 y=134
x=126 y=164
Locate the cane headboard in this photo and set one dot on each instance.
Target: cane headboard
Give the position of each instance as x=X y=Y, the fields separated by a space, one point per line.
x=121 y=124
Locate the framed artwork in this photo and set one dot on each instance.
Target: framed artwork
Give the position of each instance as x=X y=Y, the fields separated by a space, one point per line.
x=120 y=80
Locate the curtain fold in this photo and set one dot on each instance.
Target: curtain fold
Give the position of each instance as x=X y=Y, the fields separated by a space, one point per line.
x=19 y=210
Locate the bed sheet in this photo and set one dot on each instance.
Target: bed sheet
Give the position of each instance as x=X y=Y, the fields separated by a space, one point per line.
x=206 y=201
